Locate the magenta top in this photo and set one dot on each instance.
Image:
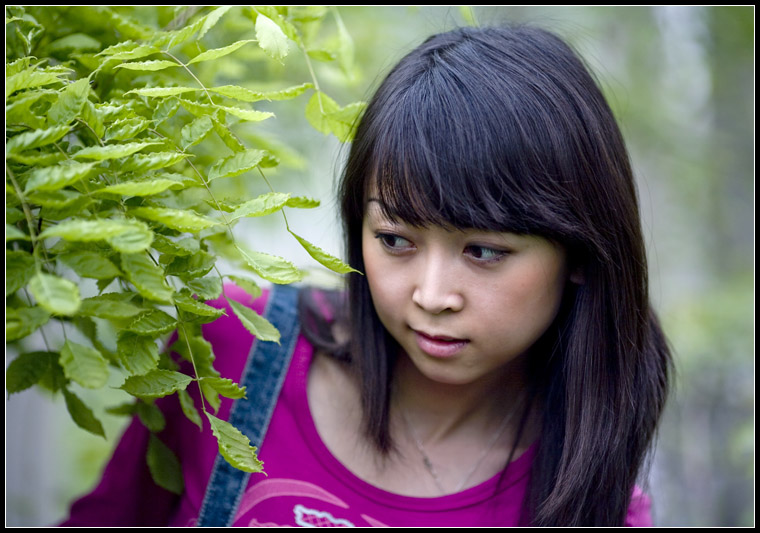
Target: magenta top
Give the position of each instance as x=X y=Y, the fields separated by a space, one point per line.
x=304 y=485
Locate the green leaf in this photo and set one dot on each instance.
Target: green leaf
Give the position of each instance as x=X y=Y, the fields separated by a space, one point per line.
x=35 y=139
x=255 y=323
x=115 y=305
x=271 y=38
x=198 y=351
x=276 y=14
x=86 y=230
x=88 y=264
x=13 y=215
x=162 y=92
x=57 y=295
x=468 y=15
x=26 y=370
x=165 y=468
x=57 y=177
x=212 y=397
x=260 y=206
x=75 y=41
x=84 y=365
x=249 y=115
x=12 y=233
x=326 y=116
x=271 y=267
x=19 y=269
x=153 y=323
x=23 y=321
x=236 y=164
x=248 y=95
x=60 y=199
x=156 y=383
x=123 y=25
x=331 y=262
x=123 y=409
x=137 y=354
x=188 y=408
x=225 y=387
x=164 y=110
x=146 y=276
x=70 y=102
x=208 y=288
x=321 y=54
x=128 y=50
x=111 y=151
x=134 y=241
x=158 y=64
x=29 y=79
x=190 y=267
x=53 y=380
x=345 y=47
x=343 y=122
x=92 y=116
x=234 y=446
x=179 y=219
x=195 y=132
x=152 y=161
x=182 y=247
x=210 y=20
x=302 y=202
x=126 y=236
x=227 y=137
x=216 y=53
x=247 y=285
x=147 y=187
x=318 y=109
x=82 y=415
x=151 y=416
x=239 y=93
x=188 y=304
x=289 y=92
x=126 y=129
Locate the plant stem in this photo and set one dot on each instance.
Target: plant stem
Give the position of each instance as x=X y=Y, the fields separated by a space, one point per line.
x=28 y=215
x=193 y=75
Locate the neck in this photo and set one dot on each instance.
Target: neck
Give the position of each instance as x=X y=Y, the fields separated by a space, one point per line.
x=440 y=411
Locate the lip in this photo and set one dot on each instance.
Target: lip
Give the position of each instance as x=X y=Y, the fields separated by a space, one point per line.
x=440 y=346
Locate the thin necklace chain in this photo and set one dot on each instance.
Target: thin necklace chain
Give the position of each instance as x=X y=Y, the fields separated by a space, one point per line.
x=430 y=467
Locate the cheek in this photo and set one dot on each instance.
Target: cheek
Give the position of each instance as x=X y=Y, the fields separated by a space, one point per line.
x=545 y=293
x=534 y=297
x=382 y=284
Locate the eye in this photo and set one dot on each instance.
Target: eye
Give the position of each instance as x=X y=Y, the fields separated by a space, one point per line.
x=394 y=243
x=484 y=254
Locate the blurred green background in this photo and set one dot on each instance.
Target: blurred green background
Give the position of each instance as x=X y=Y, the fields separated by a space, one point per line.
x=681 y=81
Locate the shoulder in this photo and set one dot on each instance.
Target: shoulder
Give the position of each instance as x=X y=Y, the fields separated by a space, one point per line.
x=640 y=510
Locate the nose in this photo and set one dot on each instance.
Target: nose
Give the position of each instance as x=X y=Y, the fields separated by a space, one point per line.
x=437 y=286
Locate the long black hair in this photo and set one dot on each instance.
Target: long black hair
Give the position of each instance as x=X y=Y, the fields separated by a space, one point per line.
x=504 y=129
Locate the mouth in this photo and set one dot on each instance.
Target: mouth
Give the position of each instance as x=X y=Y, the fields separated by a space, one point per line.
x=439 y=346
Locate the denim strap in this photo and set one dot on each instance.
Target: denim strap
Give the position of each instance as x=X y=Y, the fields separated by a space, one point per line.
x=263 y=376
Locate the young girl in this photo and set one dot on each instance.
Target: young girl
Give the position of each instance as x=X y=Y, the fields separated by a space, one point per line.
x=496 y=363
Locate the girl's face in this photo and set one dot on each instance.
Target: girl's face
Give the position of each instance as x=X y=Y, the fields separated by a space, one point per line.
x=462 y=304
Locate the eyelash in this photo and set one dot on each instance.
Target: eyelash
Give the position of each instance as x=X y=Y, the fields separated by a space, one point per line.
x=384 y=239
x=389 y=241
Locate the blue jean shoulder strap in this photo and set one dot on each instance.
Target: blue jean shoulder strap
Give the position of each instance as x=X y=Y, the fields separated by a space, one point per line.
x=262 y=377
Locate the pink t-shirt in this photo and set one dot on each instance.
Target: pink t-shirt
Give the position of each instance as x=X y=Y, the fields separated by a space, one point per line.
x=304 y=485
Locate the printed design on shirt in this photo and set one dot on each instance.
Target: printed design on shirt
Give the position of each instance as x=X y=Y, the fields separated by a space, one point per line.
x=307 y=511
x=306 y=517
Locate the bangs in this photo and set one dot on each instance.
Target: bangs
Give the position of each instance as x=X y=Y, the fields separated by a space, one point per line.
x=449 y=151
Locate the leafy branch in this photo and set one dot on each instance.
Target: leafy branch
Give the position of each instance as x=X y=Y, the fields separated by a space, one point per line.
x=115 y=216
